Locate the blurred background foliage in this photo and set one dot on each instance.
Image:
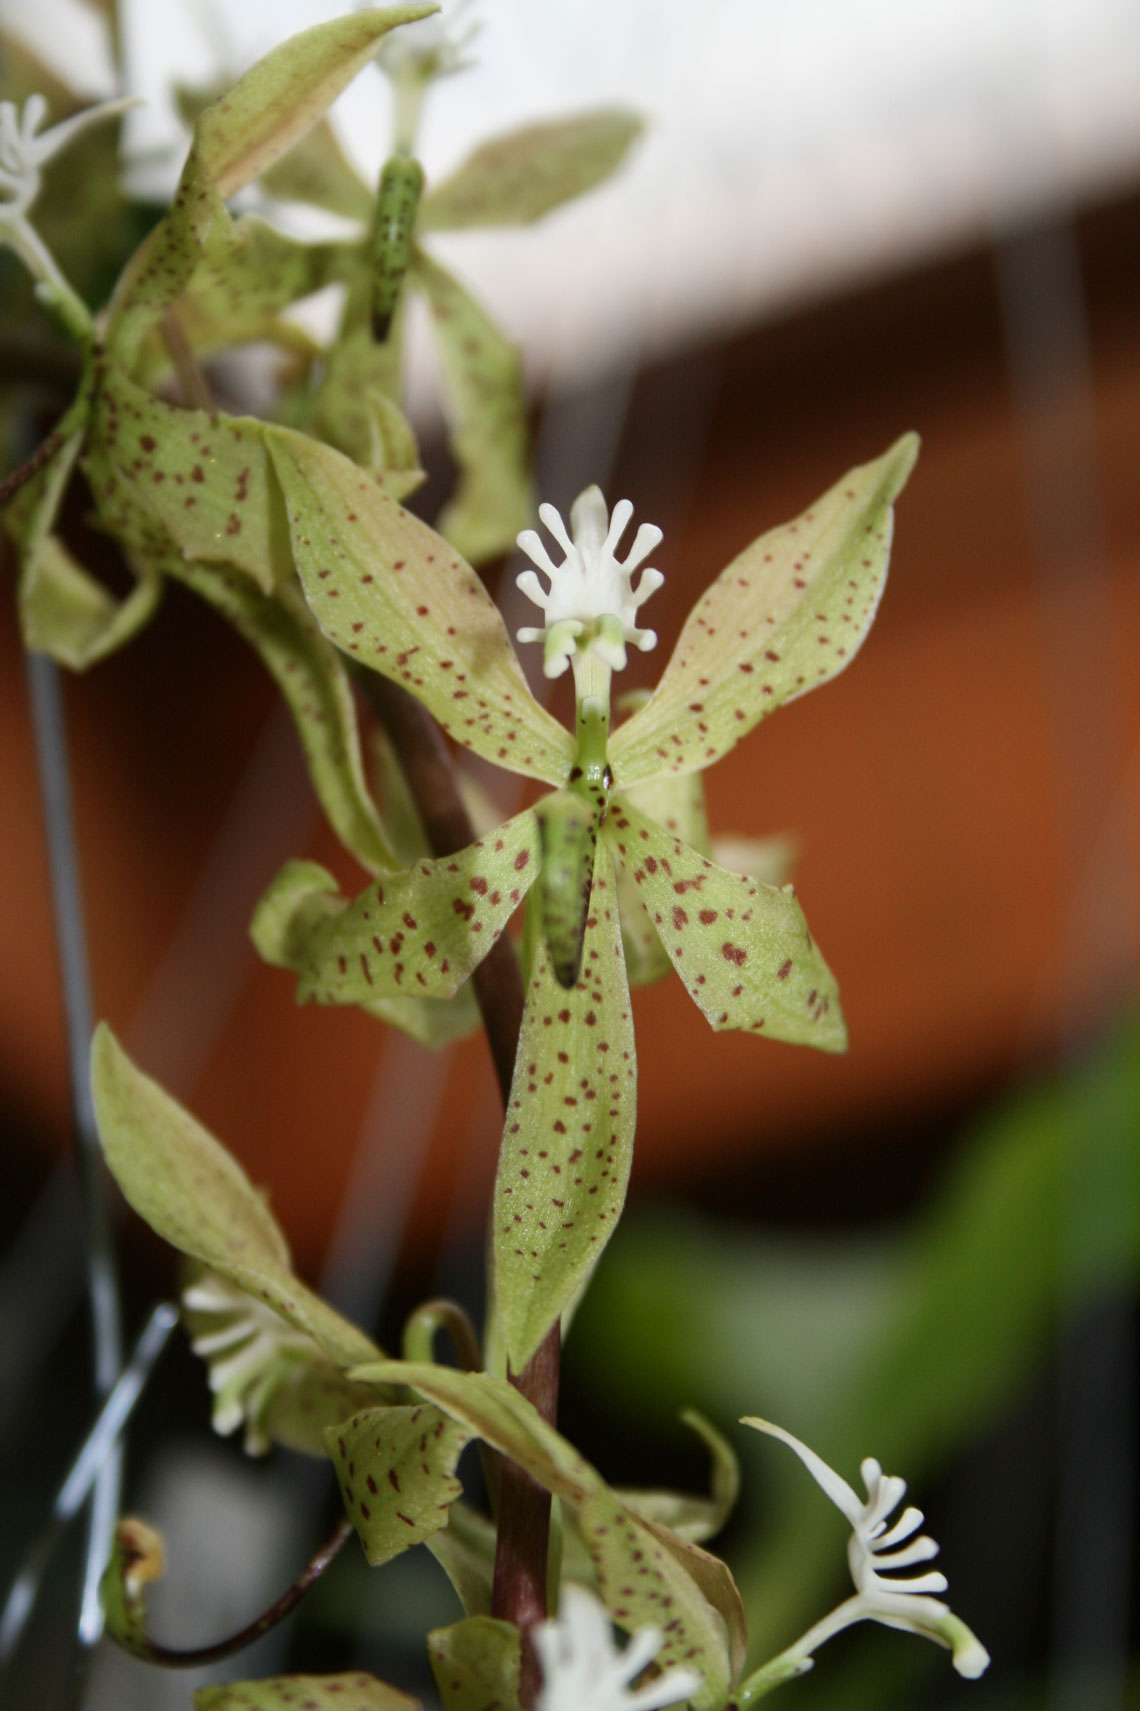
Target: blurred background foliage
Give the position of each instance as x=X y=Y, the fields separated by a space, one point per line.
x=861 y=218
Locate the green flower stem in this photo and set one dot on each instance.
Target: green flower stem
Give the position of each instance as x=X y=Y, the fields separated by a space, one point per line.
x=432 y=1316
x=51 y=287
x=523 y=1541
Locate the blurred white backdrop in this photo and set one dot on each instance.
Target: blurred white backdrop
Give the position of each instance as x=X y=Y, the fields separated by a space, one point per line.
x=791 y=146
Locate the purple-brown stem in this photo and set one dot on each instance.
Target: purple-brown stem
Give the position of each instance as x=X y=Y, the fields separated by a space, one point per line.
x=30 y=467
x=519 y=1589
x=175 y=1657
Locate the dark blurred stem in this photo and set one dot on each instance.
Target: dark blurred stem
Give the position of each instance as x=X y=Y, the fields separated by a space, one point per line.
x=519 y=1591
x=30 y=467
x=193 y=1657
x=103 y=1288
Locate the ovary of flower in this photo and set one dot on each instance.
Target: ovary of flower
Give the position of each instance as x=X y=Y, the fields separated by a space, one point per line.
x=582 y=1669
x=591 y=604
x=248 y=1356
x=876 y=1552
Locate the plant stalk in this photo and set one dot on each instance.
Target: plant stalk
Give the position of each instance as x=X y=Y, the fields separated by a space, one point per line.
x=522 y=1548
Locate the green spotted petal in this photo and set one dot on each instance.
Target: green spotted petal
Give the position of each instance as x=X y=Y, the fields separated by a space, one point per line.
x=645 y=1583
x=568 y=1140
x=389 y=591
x=515 y=179
x=206 y=479
x=271 y=107
x=416 y=933
x=196 y=1196
x=305 y=894
x=676 y=802
x=352 y=1692
x=493 y=1410
x=486 y=410
x=307 y=669
x=785 y=616
x=476 y=1665
x=238 y=299
x=396 y=1469
x=743 y=949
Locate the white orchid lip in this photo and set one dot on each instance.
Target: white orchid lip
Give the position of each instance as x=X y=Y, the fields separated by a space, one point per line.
x=876 y=1551
x=24 y=149
x=591 y=604
x=582 y=1669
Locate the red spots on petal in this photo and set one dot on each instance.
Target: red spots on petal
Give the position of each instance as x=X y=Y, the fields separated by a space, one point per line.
x=784 y=970
x=680 y=919
x=734 y=954
x=707 y=917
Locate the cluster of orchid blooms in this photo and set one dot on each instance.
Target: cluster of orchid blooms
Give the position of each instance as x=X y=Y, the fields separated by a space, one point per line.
x=615 y=866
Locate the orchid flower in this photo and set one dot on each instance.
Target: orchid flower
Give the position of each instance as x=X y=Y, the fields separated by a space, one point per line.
x=582 y=1669
x=786 y=615
x=25 y=150
x=877 y=1549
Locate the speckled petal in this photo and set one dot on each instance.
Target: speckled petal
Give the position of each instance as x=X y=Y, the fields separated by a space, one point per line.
x=743 y=949
x=419 y=933
x=568 y=1140
x=394 y=595
x=790 y=612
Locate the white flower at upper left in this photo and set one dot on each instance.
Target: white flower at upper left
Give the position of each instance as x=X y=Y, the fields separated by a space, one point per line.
x=582 y=1669
x=23 y=152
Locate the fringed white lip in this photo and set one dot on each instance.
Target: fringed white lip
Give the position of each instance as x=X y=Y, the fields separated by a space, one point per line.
x=876 y=1552
x=591 y=604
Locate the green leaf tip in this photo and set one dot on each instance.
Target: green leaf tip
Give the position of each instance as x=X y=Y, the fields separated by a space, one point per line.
x=196 y=1196
x=286 y=92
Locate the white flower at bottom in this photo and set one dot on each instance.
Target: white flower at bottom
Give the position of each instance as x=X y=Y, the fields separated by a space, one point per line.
x=582 y=1669
x=591 y=603
x=876 y=1552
